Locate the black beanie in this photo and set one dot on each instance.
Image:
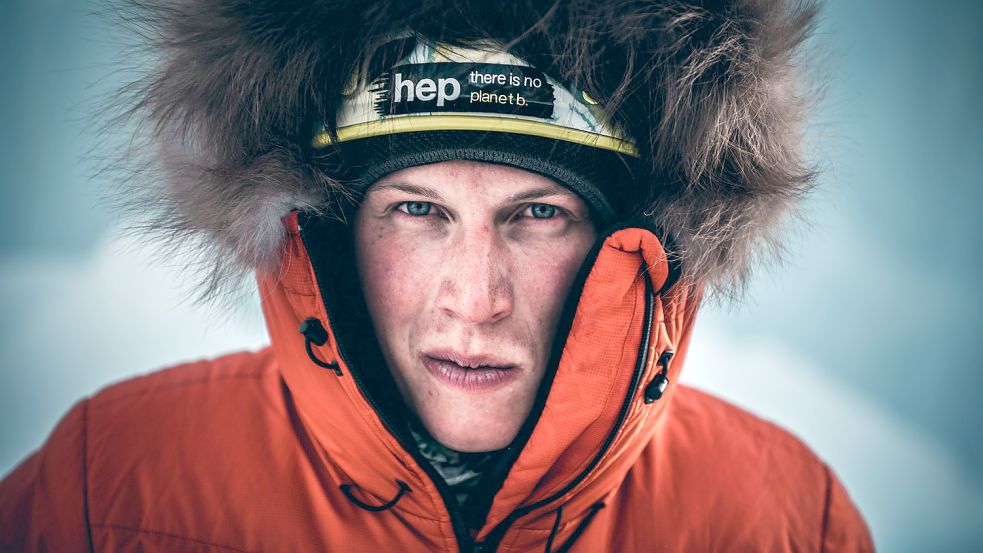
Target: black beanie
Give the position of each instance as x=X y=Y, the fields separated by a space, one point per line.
x=440 y=103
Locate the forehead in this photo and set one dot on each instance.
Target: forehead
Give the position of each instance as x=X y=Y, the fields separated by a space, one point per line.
x=465 y=180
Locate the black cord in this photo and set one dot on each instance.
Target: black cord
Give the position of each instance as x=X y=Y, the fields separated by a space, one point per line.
x=556 y=526
x=580 y=528
x=347 y=490
x=314 y=333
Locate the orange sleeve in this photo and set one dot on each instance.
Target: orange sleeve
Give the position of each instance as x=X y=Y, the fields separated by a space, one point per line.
x=43 y=500
x=844 y=529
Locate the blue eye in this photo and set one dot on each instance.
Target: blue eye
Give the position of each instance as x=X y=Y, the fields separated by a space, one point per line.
x=542 y=211
x=416 y=209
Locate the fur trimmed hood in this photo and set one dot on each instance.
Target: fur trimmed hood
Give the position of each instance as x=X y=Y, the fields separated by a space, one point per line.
x=708 y=91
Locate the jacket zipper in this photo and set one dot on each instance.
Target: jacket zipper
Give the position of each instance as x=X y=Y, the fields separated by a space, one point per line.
x=494 y=538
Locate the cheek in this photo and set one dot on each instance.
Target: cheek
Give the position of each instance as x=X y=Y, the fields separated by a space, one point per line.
x=546 y=275
x=392 y=274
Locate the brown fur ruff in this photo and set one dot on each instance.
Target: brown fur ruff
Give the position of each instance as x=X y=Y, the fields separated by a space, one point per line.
x=707 y=90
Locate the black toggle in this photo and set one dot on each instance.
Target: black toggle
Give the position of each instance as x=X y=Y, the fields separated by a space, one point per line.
x=347 y=490
x=655 y=389
x=314 y=332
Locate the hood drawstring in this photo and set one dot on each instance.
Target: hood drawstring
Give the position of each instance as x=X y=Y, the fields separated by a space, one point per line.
x=347 y=490
x=556 y=526
x=314 y=332
x=576 y=532
x=657 y=387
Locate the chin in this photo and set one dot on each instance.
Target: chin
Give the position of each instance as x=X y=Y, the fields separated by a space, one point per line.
x=458 y=435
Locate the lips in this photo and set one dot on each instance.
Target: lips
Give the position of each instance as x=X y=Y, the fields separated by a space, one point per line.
x=469 y=373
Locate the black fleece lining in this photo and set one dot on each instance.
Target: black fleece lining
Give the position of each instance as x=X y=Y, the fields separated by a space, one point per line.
x=330 y=246
x=602 y=178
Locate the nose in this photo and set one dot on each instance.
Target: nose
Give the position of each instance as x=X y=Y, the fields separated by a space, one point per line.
x=475 y=287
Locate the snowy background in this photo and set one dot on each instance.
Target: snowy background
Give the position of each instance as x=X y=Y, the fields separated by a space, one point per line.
x=867 y=345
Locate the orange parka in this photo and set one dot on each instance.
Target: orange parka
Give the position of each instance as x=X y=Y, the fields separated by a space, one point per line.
x=269 y=452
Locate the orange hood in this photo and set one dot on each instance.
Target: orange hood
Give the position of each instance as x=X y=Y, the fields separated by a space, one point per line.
x=591 y=427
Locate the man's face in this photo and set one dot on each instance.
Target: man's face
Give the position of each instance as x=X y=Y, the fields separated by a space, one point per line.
x=465 y=267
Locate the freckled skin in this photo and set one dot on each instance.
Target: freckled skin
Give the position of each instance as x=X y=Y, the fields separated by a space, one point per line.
x=478 y=274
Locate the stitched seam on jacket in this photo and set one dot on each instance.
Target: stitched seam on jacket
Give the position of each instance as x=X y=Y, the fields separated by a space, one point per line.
x=829 y=497
x=174 y=385
x=169 y=535
x=85 y=471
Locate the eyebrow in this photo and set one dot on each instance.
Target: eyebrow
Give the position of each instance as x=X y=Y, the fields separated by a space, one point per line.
x=543 y=192
x=533 y=194
x=410 y=189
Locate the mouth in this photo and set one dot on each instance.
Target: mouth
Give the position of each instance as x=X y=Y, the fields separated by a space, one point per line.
x=469 y=373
